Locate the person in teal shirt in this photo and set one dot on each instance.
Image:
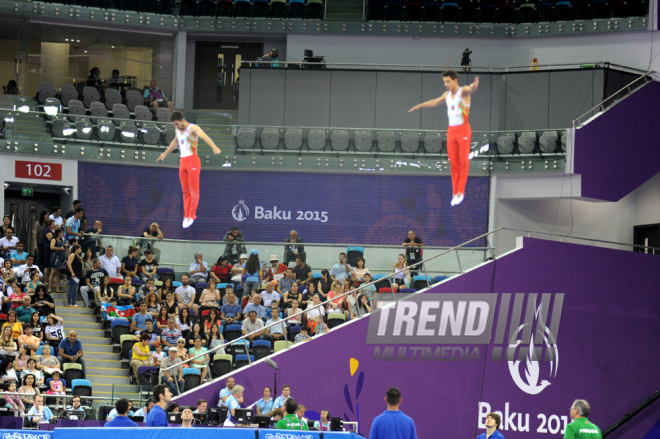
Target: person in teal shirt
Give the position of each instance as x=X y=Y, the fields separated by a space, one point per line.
x=41 y=413
x=200 y=363
x=581 y=427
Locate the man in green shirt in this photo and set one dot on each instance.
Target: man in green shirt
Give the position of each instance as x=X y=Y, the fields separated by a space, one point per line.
x=291 y=421
x=581 y=427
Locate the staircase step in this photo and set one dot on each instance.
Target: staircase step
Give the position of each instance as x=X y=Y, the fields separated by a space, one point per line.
x=78 y=318
x=75 y=311
x=108 y=379
x=103 y=363
x=91 y=341
x=98 y=348
x=108 y=372
x=96 y=354
x=85 y=326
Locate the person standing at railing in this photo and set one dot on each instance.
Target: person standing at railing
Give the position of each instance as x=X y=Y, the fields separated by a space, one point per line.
x=174 y=376
x=459 y=134
x=293 y=248
x=187 y=136
x=234 y=239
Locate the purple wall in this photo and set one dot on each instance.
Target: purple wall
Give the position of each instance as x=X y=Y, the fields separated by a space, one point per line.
x=360 y=209
x=618 y=151
x=608 y=350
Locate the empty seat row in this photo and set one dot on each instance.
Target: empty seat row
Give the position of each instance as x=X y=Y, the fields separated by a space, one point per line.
x=313 y=9
x=548 y=142
x=99 y=110
x=107 y=131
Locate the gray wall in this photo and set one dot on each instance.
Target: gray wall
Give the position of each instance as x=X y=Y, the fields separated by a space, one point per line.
x=381 y=99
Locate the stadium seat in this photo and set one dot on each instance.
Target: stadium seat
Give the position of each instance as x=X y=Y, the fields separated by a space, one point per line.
x=44 y=93
x=393 y=10
x=486 y=12
x=562 y=10
x=120 y=111
x=527 y=13
x=177 y=284
x=280 y=345
x=133 y=99
x=76 y=108
x=48 y=380
x=315 y=9
x=259 y=8
x=316 y=139
x=90 y=94
x=433 y=143
x=412 y=11
x=206 y=8
x=335 y=319
x=188 y=7
x=278 y=8
x=242 y=361
x=142 y=114
x=151 y=134
x=147 y=377
x=363 y=141
x=67 y=94
x=270 y=138
x=296 y=8
x=84 y=129
x=506 y=12
x=61 y=128
x=106 y=130
x=246 y=138
x=410 y=141
x=72 y=371
x=545 y=11
x=385 y=290
x=353 y=253
x=386 y=141
x=52 y=108
x=339 y=140
x=636 y=8
x=261 y=349
x=375 y=10
x=380 y=282
x=548 y=141
x=119 y=327
x=241 y=347
x=192 y=378
x=81 y=387
x=126 y=342
x=527 y=142
x=103 y=412
x=293 y=331
x=293 y=139
x=112 y=99
x=598 y=9
x=222 y=364
x=242 y=8
x=439 y=279
x=232 y=332
x=616 y=8
x=450 y=12
x=166 y=273
x=506 y=142
x=128 y=132
x=420 y=282
x=96 y=111
x=407 y=290
x=224 y=7
x=163 y=117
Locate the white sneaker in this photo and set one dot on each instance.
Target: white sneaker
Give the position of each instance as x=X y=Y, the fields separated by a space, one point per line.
x=459 y=199
x=453 y=201
x=188 y=222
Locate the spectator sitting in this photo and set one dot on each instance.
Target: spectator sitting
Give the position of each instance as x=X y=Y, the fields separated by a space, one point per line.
x=149 y=266
x=16 y=296
x=199 y=270
x=152 y=332
x=11 y=88
x=269 y=295
x=201 y=363
x=138 y=323
x=14 y=401
x=274 y=304
x=76 y=402
x=284 y=285
x=163 y=316
x=170 y=335
x=28 y=340
x=35 y=321
x=24 y=313
x=8 y=346
x=230 y=313
x=185 y=295
x=252 y=324
x=173 y=376
x=141 y=355
x=340 y=270
x=41 y=414
x=359 y=271
x=145 y=290
x=221 y=271
x=226 y=392
x=129 y=264
x=57 y=387
x=401 y=273
x=94 y=79
x=194 y=333
x=293 y=249
x=264 y=406
x=295 y=321
x=302 y=272
x=118 y=417
x=184 y=322
x=314 y=311
x=20 y=361
x=251 y=268
x=126 y=292
x=144 y=411
x=233 y=239
x=237 y=269
x=9 y=242
x=109 y=262
x=93 y=279
x=286 y=394
x=216 y=339
x=153 y=306
x=337 y=303
x=167 y=286
x=115 y=80
x=155 y=96
x=70 y=351
x=361 y=307
x=213 y=317
x=186 y=418
x=291 y=295
x=276 y=271
x=171 y=304
x=210 y=297
x=367 y=290
x=105 y=292
x=307 y=296
x=351 y=299
x=277 y=332
x=18 y=256
x=255 y=305
x=28 y=390
x=14 y=324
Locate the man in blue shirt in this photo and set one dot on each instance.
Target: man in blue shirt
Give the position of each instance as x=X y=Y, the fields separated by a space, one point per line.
x=138 y=322
x=492 y=427
x=42 y=414
x=71 y=351
x=157 y=416
x=286 y=394
x=121 y=420
x=265 y=404
x=19 y=256
x=113 y=413
x=393 y=424
x=234 y=402
x=340 y=270
x=144 y=411
x=226 y=392
x=75 y=405
x=72 y=225
x=231 y=312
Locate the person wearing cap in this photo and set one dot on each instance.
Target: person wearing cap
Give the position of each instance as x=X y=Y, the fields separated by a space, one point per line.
x=237 y=270
x=221 y=271
x=251 y=268
x=173 y=376
x=293 y=248
x=234 y=240
x=272 y=56
x=275 y=268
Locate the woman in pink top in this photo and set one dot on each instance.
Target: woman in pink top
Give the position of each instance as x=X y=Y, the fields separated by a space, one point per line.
x=336 y=305
x=14 y=401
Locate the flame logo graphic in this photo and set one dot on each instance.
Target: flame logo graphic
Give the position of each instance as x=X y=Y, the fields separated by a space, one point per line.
x=240 y=212
x=532 y=369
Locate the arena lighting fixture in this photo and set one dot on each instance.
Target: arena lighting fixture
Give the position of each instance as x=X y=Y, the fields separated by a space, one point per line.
x=68 y=131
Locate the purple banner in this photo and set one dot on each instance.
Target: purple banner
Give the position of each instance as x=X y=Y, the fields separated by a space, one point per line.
x=323 y=207
x=601 y=309
x=616 y=152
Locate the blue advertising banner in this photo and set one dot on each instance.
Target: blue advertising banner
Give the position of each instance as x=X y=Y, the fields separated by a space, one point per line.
x=365 y=208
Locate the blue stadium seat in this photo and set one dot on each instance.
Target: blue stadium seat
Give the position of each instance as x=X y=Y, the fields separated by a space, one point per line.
x=450 y=11
x=261 y=349
x=242 y=8
x=296 y=8
x=407 y=290
x=242 y=361
x=192 y=378
x=232 y=332
x=81 y=387
x=439 y=279
x=166 y=273
x=380 y=282
x=176 y=284
x=119 y=327
x=352 y=253
x=317 y=276
x=421 y=282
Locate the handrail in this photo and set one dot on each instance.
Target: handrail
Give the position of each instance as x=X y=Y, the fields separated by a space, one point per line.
x=601 y=105
x=628 y=416
x=67 y=396
x=421 y=264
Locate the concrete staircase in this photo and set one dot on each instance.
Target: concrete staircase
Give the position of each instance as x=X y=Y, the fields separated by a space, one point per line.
x=344 y=10
x=218 y=126
x=104 y=369
x=30 y=128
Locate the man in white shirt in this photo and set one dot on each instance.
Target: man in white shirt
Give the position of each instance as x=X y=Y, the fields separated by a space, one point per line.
x=57 y=216
x=269 y=295
x=199 y=270
x=185 y=295
x=109 y=262
x=277 y=332
x=9 y=242
x=23 y=272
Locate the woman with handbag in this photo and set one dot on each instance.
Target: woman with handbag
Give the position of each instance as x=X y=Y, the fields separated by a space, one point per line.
x=75 y=265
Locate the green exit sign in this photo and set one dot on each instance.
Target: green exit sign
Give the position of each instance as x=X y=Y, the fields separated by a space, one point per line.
x=27 y=192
